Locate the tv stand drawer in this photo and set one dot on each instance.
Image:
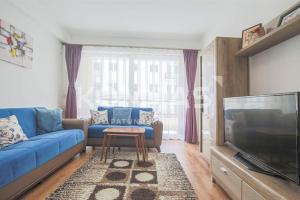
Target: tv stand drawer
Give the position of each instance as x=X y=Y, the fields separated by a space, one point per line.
x=248 y=193
x=229 y=181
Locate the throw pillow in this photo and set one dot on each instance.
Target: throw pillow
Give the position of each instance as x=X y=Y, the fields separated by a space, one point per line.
x=99 y=117
x=146 y=118
x=49 y=120
x=10 y=131
x=121 y=116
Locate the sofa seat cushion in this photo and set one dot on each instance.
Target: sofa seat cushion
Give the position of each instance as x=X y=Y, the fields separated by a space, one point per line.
x=66 y=138
x=96 y=130
x=44 y=149
x=15 y=163
x=19 y=159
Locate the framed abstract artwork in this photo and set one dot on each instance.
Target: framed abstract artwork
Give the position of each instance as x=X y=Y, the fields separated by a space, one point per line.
x=15 y=46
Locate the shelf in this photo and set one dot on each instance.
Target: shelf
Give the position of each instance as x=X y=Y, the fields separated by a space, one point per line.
x=273 y=38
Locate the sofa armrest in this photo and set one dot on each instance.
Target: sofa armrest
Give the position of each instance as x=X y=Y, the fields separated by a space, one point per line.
x=77 y=124
x=89 y=121
x=158 y=132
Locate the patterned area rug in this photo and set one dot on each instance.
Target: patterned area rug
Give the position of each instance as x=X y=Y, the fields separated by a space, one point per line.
x=160 y=178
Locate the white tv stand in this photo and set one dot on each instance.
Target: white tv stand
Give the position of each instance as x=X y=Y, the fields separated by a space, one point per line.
x=243 y=184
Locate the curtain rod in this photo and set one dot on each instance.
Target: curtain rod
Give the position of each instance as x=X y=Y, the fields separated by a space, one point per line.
x=136 y=47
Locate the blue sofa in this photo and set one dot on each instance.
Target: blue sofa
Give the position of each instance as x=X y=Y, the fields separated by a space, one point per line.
x=26 y=163
x=153 y=133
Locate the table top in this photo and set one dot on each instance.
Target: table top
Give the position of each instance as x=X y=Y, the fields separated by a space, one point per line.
x=127 y=130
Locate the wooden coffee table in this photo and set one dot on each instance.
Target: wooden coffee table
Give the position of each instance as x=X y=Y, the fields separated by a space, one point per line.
x=137 y=133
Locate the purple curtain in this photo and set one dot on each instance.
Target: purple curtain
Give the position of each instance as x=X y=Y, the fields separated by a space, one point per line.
x=73 y=56
x=190 y=59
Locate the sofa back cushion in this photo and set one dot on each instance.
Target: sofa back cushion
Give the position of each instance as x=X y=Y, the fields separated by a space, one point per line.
x=121 y=116
x=48 y=120
x=135 y=112
x=25 y=116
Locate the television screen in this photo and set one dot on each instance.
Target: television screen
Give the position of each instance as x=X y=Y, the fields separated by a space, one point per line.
x=265 y=128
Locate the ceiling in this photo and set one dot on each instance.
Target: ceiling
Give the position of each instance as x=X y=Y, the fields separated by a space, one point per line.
x=151 y=19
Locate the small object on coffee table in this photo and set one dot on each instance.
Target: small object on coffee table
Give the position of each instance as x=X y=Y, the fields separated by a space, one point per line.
x=137 y=133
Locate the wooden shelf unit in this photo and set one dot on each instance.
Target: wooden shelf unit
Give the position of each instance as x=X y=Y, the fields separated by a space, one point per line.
x=273 y=38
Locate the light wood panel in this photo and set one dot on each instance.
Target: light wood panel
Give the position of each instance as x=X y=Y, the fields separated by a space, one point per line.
x=273 y=38
x=229 y=181
x=267 y=186
x=232 y=77
x=248 y=193
x=208 y=84
x=196 y=168
x=229 y=78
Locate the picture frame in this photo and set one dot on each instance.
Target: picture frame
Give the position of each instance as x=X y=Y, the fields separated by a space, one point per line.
x=289 y=15
x=16 y=46
x=251 y=34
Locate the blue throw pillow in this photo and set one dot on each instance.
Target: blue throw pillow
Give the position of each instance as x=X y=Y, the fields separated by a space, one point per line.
x=48 y=120
x=121 y=116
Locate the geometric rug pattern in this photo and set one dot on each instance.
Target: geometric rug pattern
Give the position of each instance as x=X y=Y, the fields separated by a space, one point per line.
x=123 y=178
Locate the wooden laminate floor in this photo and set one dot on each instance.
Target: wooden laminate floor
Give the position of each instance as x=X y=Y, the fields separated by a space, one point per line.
x=196 y=168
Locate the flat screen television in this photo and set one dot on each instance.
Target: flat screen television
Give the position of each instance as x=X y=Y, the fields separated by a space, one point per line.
x=265 y=131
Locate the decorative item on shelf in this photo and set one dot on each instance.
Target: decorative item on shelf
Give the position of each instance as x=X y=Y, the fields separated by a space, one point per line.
x=289 y=15
x=15 y=46
x=251 y=34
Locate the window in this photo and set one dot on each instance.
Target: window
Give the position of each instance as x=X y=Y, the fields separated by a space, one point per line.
x=135 y=77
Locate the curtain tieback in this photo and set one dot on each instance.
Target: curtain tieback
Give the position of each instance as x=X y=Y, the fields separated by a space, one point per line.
x=191 y=98
x=71 y=85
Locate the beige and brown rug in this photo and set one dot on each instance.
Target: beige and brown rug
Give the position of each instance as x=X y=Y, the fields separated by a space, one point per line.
x=160 y=178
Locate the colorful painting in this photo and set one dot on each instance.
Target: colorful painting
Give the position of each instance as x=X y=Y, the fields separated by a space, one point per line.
x=15 y=46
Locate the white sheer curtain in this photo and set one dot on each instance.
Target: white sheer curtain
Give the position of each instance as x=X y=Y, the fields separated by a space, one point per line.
x=135 y=77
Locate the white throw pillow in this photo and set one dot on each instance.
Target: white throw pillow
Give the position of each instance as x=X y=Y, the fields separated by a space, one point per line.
x=146 y=118
x=10 y=131
x=99 y=117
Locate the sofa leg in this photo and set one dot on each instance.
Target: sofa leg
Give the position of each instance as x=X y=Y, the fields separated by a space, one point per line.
x=158 y=149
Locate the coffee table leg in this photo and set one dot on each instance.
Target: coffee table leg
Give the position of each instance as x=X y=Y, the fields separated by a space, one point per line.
x=137 y=147
x=140 y=145
x=103 y=146
x=144 y=149
x=108 y=146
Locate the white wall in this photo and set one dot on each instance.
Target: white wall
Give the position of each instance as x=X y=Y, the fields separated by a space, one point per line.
x=39 y=86
x=163 y=42
x=277 y=69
